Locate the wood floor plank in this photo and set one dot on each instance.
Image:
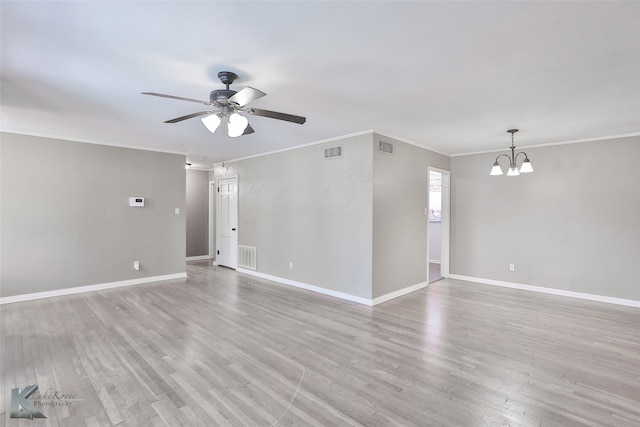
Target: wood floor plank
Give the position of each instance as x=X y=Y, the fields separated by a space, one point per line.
x=222 y=348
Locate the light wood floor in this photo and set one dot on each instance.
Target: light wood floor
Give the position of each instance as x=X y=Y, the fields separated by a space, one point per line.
x=223 y=348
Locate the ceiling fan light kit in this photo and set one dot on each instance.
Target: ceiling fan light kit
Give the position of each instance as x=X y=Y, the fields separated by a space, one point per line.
x=211 y=122
x=525 y=167
x=237 y=125
x=228 y=105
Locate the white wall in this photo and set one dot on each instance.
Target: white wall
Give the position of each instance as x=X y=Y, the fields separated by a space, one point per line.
x=435 y=241
x=573 y=224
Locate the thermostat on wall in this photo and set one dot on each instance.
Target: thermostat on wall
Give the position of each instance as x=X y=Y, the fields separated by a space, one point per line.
x=136 y=201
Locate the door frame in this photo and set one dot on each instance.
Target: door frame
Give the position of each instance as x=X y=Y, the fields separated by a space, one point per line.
x=214 y=214
x=445 y=220
x=212 y=222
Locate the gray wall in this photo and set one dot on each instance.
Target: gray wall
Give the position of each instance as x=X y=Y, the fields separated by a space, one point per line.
x=296 y=206
x=573 y=224
x=400 y=226
x=197 y=215
x=354 y=224
x=66 y=221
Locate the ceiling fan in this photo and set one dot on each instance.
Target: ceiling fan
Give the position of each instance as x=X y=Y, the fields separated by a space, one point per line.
x=227 y=105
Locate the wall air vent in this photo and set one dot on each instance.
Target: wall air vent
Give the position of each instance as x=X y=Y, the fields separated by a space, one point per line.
x=247 y=257
x=385 y=147
x=330 y=153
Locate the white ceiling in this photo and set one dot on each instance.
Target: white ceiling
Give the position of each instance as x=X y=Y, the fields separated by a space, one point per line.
x=451 y=76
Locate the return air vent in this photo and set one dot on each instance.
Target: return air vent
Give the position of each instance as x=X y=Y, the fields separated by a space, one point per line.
x=385 y=147
x=330 y=153
x=247 y=257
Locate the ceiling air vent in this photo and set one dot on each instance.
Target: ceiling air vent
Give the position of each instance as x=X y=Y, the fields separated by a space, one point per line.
x=385 y=147
x=330 y=153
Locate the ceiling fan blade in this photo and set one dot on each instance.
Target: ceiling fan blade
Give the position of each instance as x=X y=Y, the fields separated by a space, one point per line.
x=189 y=116
x=180 y=98
x=276 y=115
x=246 y=95
x=248 y=130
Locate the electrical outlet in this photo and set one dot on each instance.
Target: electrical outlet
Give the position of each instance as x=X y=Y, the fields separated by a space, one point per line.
x=291 y=265
x=512 y=267
x=136 y=265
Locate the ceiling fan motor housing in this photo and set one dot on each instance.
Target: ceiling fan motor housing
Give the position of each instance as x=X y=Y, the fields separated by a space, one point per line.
x=221 y=96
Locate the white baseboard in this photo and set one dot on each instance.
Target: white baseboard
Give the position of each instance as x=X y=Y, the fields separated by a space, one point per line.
x=324 y=291
x=89 y=288
x=353 y=298
x=197 y=258
x=552 y=291
x=399 y=293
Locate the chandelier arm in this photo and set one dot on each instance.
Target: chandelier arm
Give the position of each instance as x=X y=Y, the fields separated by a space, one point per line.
x=504 y=155
x=522 y=152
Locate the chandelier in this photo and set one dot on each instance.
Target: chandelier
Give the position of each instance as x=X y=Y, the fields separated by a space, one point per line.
x=525 y=167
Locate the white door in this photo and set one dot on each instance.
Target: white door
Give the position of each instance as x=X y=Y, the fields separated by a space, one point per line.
x=227 y=223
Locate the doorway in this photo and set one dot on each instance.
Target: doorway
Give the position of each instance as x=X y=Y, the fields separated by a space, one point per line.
x=227 y=222
x=438 y=212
